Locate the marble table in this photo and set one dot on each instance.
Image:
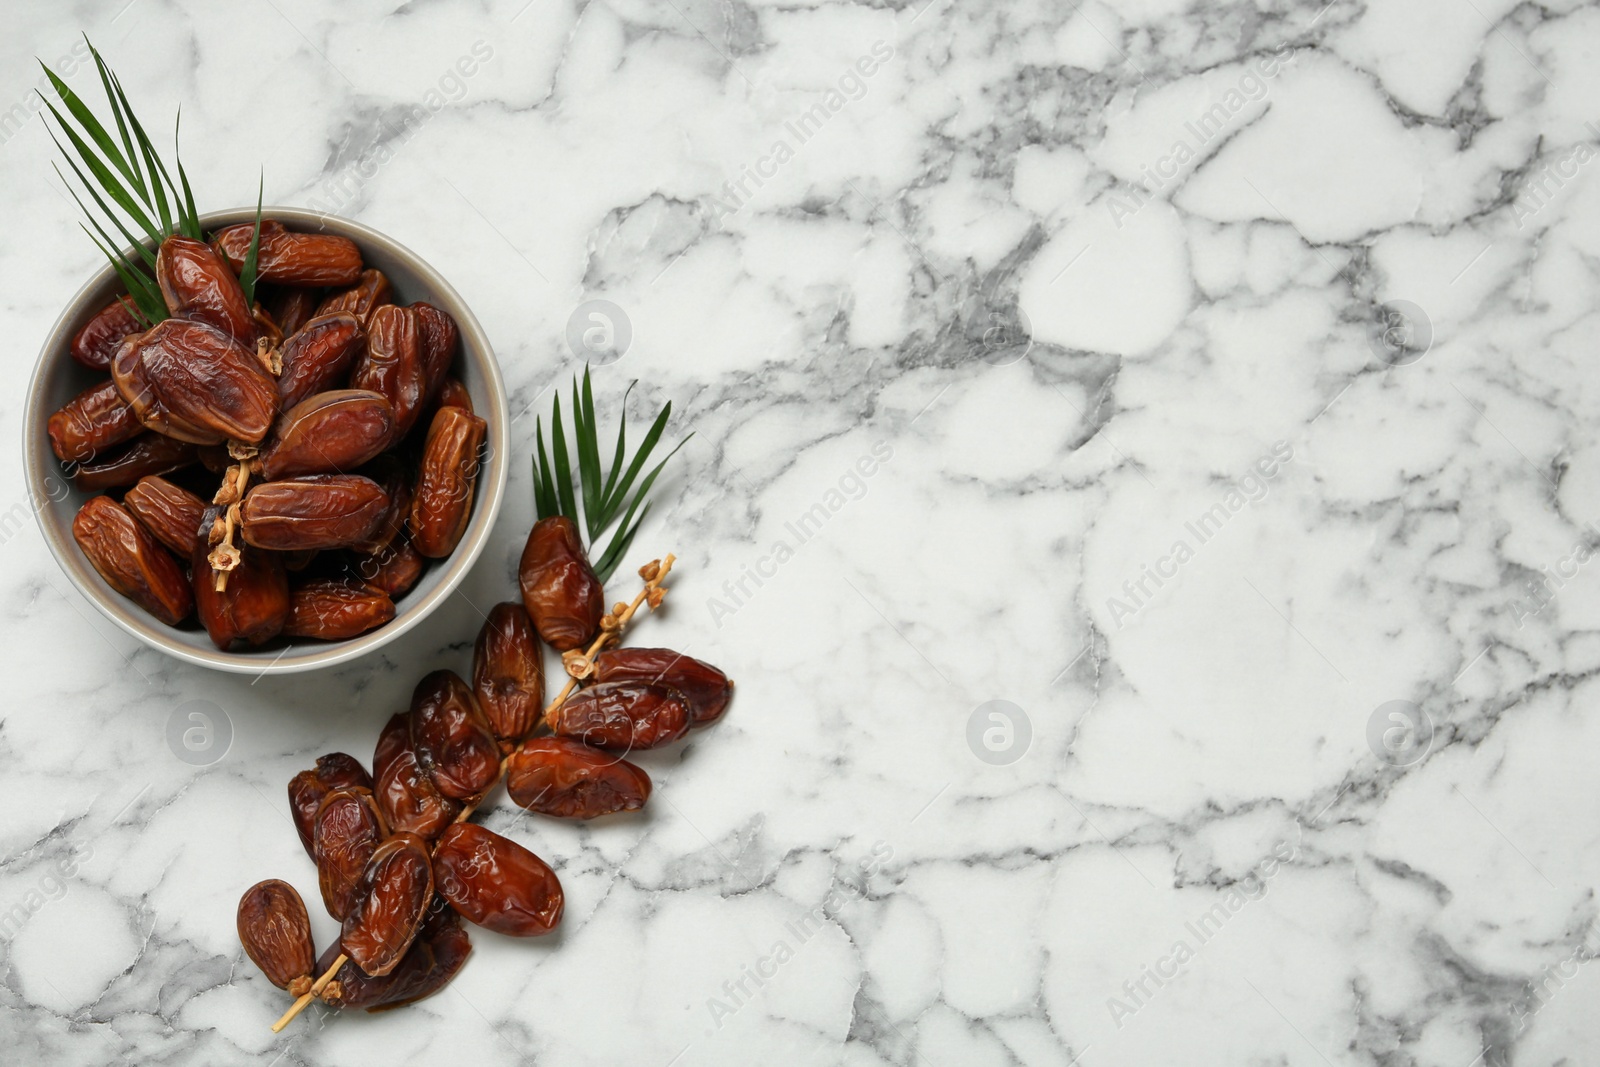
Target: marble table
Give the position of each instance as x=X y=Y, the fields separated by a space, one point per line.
x=1143 y=482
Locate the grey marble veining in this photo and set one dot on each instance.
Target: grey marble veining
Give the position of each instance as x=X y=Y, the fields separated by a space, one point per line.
x=1208 y=384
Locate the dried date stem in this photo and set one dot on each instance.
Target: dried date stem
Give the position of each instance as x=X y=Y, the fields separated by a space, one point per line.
x=578 y=666
x=225 y=556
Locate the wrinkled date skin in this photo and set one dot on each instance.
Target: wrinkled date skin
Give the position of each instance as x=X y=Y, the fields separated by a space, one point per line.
x=328 y=433
x=443 y=500
x=307 y=789
x=98 y=340
x=508 y=672
x=559 y=587
x=191 y=381
x=439 y=338
x=331 y=609
x=569 y=780
x=317 y=511
x=170 y=512
x=344 y=836
x=370 y=292
x=276 y=934
x=319 y=355
x=407 y=796
x=393 y=364
x=197 y=285
x=389 y=904
x=394 y=739
x=91 y=422
x=285 y=257
x=395 y=568
x=395 y=477
x=440 y=949
x=149 y=453
x=255 y=603
x=706 y=688
x=495 y=882
x=290 y=306
x=452 y=394
x=623 y=716
x=451 y=737
x=131 y=561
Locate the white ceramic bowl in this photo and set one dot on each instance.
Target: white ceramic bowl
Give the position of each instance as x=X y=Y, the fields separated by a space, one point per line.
x=58 y=378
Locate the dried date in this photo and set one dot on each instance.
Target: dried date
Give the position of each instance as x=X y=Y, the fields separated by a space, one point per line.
x=345 y=834
x=317 y=511
x=191 y=381
x=439 y=339
x=328 y=433
x=406 y=794
x=131 y=561
x=276 y=934
x=333 y=609
x=392 y=364
x=438 y=952
x=319 y=355
x=307 y=789
x=286 y=257
x=291 y=306
x=706 y=688
x=252 y=606
x=394 y=569
x=442 y=504
x=388 y=905
x=197 y=285
x=149 y=453
x=91 y=422
x=170 y=512
x=559 y=587
x=508 y=672
x=98 y=340
x=495 y=882
x=370 y=292
x=451 y=737
x=569 y=780
x=623 y=716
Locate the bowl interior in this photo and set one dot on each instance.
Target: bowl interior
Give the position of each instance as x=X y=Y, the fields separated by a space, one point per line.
x=57 y=378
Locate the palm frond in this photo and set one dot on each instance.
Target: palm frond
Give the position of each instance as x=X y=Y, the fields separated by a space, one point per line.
x=606 y=496
x=247 y=272
x=128 y=182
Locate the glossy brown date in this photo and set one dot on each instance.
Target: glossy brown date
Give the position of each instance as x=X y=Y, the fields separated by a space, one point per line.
x=285 y=257
x=392 y=364
x=276 y=934
x=344 y=836
x=439 y=339
x=191 y=381
x=317 y=511
x=623 y=716
x=451 y=737
x=170 y=512
x=149 y=453
x=442 y=504
x=452 y=394
x=706 y=688
x=253 y=605
x=307 y=789
x=95 y=344
x=495 y=882
x=508 y=672
x=393 y=739
x=328 y=433
x=438 y=952
x=319 y=355
x=197 y=285
x=388 y=905
x=370 y=292
x=333 y=609
x=91 y=422
x=395 y=477
x=131 y=561
x=569 y=780
x=406 y=794
x=395 y=568
x=559 y=587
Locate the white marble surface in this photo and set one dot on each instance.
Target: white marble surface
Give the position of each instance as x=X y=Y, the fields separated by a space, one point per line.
x=1200 y=858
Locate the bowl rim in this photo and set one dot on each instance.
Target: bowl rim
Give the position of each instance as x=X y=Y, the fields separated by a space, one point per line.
x=42 y=468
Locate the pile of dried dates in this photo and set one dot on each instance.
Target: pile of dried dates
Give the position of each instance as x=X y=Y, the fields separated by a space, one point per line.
x=322 y=422
x=398 y=864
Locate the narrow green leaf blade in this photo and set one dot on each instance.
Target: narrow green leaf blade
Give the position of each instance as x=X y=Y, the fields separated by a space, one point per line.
x=588 y=454
x=247 y=273
x=563 y=468
x=107 y=180
x=607 y=504
x=618 y=548
x=639 y=458
x=91 y=125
